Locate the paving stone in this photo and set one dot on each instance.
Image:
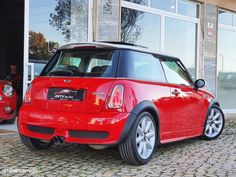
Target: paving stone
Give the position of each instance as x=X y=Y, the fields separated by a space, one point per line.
x=187 y=158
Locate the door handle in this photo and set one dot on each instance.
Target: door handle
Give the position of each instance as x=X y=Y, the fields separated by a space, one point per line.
x=175 y=92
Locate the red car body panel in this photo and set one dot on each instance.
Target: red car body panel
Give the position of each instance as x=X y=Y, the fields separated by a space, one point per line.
x=181 y=116
x=7 y=102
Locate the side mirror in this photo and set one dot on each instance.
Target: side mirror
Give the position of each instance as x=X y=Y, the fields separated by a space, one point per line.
x=199 y=84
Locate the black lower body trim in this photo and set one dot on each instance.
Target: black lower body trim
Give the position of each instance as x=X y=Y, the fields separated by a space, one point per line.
x=42 y=130
x=88 y=134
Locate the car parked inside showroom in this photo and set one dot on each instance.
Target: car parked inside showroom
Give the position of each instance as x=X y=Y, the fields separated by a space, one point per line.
x=112 y=94
x=8 y=103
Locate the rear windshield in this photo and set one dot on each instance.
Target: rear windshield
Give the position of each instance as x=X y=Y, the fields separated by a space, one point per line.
x=87 y=63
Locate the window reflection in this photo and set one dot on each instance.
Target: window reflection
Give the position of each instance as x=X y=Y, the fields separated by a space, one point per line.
x=168 y=5
x=225 y=18
x=181 y=40
x=226 y=87
x=56 y=22
x=175 y=73
x=145 y=67
x=141 y=2
x=188 y=8
x=79 y=20
x=140 y=28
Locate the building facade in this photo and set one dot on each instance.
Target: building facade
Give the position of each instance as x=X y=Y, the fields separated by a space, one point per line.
x=201 y=33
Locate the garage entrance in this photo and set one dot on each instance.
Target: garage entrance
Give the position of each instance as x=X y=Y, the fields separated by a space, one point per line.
x=12 y=38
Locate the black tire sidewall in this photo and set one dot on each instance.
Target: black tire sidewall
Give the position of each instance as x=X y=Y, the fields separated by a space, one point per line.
x=133 y=137
x=35 y=144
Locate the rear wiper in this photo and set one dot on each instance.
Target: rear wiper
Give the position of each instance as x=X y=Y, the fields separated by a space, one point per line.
x=61 y=72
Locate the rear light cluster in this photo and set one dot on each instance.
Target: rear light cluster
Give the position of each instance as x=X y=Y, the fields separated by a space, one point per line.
x=117 y=97
x=27 y=98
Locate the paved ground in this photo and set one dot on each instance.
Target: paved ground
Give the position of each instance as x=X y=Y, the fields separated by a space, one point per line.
x=186 y=158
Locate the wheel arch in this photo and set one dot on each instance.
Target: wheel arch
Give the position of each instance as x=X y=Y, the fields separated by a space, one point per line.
x=143 y=106
x=213 y=102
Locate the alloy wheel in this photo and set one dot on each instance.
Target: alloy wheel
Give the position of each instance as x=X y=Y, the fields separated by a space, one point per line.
x=214 y=123
x=145 y=137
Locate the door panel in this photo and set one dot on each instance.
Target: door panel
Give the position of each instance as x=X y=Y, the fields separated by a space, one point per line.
x=187 y=107
x=186 y=113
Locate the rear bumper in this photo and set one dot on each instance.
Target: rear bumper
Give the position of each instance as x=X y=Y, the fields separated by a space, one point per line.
x=83 y=128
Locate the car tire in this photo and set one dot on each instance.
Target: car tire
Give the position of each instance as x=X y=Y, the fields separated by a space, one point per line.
x=140 y=144
x=35 y=144
x=214 y=124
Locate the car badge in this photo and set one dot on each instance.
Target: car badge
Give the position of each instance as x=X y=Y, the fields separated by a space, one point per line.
x=67 y=81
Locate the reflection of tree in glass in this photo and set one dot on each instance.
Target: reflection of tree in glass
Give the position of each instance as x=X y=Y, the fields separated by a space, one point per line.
x=130 y=31
x=79 y=20
x=38 y=46
x=61 y=18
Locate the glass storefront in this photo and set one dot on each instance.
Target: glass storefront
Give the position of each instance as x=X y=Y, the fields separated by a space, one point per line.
x=183 y=7
x=188 y=8
x=226 y=67
x=136 y=30
x=226 y=18
x=171 y=34
x=181 y=40
x=53 y=23
x=168 y=5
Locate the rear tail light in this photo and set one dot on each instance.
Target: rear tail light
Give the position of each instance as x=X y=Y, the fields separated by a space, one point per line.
x=117 y=97
x=27 y=98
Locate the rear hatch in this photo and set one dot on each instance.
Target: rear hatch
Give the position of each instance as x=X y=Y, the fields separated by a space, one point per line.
x=79 y=95
x=75 y=81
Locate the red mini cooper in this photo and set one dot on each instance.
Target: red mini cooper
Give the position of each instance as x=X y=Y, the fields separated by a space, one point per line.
x=106 y=94
x=8 y=102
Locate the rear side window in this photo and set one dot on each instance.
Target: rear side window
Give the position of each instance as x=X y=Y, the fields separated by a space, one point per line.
x=140 y=66
x=88 y=63
x=175 y=73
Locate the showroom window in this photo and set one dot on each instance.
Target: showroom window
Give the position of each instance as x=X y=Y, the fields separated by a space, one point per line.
x=168 y=5
x=226 y=68
x=169 y=26
x=180 y=40
x=184 y=7
x=53 y=23
x=227 y=18
x=135 y=29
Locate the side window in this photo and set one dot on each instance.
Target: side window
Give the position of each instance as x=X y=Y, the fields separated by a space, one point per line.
x=175 y=73
x=144 y=66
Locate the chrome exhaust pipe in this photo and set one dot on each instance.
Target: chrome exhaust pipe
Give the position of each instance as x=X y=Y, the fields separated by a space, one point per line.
x=58 y=139
x=61 y=140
